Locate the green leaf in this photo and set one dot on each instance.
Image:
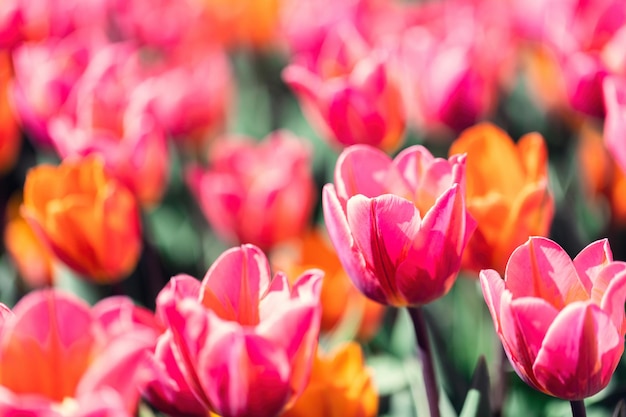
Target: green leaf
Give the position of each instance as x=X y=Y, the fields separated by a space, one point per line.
x=388 y=374
x=402 y=339
x=477 y=399
x=68 y=280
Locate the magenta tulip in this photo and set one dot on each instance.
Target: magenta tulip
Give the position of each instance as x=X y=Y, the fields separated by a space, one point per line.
x=245 y=341
x=561 y=322
x=399 y=226
x=615 y=122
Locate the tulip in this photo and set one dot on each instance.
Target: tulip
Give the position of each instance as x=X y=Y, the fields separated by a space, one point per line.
x=340 y=386
x=87 y=218
x=104 y=120
x=615 y=122
x=262 y=193
x=507 y=193
x=246 y=344
x=340 y=299
x=57 y=358
x=561 y=322
x=353 y=102
x=169 y=391
x=33 y=260
x=399 y=226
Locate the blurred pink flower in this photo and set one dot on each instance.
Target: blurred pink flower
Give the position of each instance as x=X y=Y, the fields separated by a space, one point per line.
x=399 y=226
x=246 y=344
x=36 y=20
x=615 y=122
x=348 y=92
x=561 y=322
x=262 y=193
x=101 y=119
x=60 y=358
x=45 y=73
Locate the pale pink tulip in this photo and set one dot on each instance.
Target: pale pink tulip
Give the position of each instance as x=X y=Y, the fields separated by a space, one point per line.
x=59 y=358
x=246 y=344
x=615 y=122
x=262 y=193
x=561 y=322
x=399 y=226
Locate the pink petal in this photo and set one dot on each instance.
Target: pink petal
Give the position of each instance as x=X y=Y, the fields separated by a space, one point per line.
x=245 y=375
x=541 y=268
x=613 y=295
x=492 y=286
x=349 y=254
x=579 y=354
x=590 y=261
x=178 y=288
x=384 y=229
x=615 y=122
x=434 y=260
x=233 y=285
x=351 y=178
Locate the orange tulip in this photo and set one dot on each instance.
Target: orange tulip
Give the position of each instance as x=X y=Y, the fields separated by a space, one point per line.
x=340 y=386
x=33 y=260
x=507 y=193
x=10 y=138
x=89 y=219
x=339 y=297
x=244 y=22
x=601 y=175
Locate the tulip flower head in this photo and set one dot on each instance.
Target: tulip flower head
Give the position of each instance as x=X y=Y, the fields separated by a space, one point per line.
x=87 y=218
x=399 y=226
x=59 y=358
x=507 y=193
x=262 y=193
x=561 y=321
x=246 y=341
x=615 y=122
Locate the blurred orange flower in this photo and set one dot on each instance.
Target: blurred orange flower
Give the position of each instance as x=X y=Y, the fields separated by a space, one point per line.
x=601 y=175
x=89 y=220
x=32 y=258
x=340 y=386
x=507 y=193
x=10 y=138
x=244 y=22
x=339 y=297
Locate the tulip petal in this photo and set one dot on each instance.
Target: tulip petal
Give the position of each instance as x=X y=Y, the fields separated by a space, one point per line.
x=249 y=375
x=541 y=268
x=384 y=229
x=580 y=352
x=533 y=154
x=350 y=177
x=233 y=285
x=433 y=261
x=492 y=286
x=349 y=254
x=614 y=294
x=590 y=262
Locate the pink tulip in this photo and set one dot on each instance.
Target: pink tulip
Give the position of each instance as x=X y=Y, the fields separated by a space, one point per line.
x=36 y=20
x=615 y=122
x=561 y=322
x=261 y=193
x=45 y=73
x=60 y=358
x=399 y=226
x=168 y=391
x=102 y=119
x=246 y=344
x=350 y=95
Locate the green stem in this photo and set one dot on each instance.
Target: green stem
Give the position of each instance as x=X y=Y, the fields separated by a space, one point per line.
x=425 y=356
x=578 y=408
